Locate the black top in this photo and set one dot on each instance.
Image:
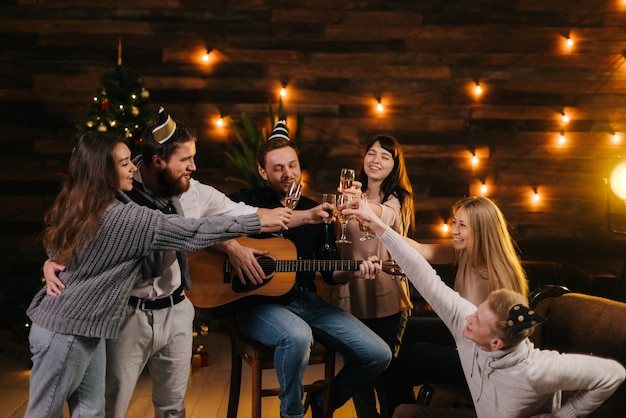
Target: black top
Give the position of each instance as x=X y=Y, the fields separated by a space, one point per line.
x=308 y=239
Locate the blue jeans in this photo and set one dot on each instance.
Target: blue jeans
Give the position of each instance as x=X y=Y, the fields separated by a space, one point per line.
x=65 y=368
x=290 y=330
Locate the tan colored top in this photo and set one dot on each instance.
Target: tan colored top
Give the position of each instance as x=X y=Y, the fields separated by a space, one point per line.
x=471 y=286
x=383 y=296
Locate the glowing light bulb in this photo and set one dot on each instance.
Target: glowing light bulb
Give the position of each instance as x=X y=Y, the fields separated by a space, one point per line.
x=569 y=43
x=483 y=188
x=474 y=160
x=220 y=122
x=380 y=107
x=206 y=57
x=445 y=228
x=283 y=92
x=536 y=196
x=565 y=118
x=478 y=90
x=616 y=138
x=562 y=138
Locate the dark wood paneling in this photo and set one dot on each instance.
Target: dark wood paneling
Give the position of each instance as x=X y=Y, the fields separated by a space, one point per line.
x=337 y=59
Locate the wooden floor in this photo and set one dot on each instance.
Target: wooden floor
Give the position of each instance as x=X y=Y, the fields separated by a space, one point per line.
x=207 y=393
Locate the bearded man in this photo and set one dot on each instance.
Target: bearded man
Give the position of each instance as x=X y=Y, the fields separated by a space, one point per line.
x=157 y=329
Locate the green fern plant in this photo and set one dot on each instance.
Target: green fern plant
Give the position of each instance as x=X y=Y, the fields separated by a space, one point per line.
x=244 y=154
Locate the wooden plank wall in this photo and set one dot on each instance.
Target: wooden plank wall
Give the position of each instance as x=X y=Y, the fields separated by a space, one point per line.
x=337 y=59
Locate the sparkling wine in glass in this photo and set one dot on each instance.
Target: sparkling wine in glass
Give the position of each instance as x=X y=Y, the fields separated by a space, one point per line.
x=329 y=203
x=346 y=178
x=293 y=195
x=366 y=233
x=291 y=200
x=343 y=201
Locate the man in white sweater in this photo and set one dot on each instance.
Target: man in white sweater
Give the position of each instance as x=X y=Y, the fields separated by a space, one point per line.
x=506 y=375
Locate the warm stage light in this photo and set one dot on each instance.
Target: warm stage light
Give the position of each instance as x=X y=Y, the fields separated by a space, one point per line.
x=618 y=180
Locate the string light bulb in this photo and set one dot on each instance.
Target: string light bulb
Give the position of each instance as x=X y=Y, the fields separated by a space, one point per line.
x=445 y=228
x=483 y=188
x=206 y=57
x=536 y=196
x=474 y=160
x=565 y=118
x=379 y=106
x=569 y=42
x=616 y=138
x=478 y=90
x=220 y=121
x=562 y=139
x=283 y=91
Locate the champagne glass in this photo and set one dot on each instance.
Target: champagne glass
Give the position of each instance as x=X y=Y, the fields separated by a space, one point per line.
x=346 y=178
x=291 y=200
x=366 y=233
x=343 y=201
x=293 y=195
x=329 y=203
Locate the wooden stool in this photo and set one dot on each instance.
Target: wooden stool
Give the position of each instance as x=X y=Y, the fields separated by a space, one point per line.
x=261 y=357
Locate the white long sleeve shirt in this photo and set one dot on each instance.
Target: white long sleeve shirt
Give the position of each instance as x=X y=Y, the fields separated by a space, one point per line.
x=199 y=201
x=517 y=382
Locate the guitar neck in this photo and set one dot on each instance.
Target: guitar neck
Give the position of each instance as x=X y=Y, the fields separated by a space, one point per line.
x=317 y=265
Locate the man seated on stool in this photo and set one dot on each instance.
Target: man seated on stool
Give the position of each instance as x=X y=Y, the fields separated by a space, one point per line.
x=506 y=375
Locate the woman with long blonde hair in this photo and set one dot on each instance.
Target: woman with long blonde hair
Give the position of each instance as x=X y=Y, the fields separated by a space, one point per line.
x=486 y=259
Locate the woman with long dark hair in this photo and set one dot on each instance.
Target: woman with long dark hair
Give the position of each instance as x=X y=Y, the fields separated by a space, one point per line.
x=102 y=238
x=382 y=303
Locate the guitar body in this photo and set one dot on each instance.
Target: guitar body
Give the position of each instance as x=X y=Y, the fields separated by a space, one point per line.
x=217 y=287
x=217 y=290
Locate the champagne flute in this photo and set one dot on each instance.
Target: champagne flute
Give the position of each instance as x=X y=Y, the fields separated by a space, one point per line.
x=343 y=201
x=366 y=233
x=291 y=200
x=329 y=203
x=346 y=178
x=293 y=195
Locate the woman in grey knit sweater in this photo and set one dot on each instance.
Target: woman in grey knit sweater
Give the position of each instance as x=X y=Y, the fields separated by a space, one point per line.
x=102 y=239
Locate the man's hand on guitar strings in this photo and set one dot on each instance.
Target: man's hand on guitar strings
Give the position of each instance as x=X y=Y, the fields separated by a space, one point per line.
x=244 y=263
x=273 y=220
x=369 y=268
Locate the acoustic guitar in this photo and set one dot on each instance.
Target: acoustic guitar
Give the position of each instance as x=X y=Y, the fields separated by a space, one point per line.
x=217 y=286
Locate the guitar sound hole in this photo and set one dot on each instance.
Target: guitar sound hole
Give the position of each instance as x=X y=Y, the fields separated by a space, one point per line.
x=268 y=264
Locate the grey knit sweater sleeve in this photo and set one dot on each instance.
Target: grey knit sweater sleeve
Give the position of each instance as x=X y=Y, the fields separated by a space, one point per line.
x=98 y=280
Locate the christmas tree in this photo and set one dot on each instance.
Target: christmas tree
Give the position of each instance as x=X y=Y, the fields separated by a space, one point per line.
x=121 y=106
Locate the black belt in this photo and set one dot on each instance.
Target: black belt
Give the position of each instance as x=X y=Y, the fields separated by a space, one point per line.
x=147 y=304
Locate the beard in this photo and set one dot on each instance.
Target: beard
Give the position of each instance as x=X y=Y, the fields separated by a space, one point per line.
x=171 y=185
